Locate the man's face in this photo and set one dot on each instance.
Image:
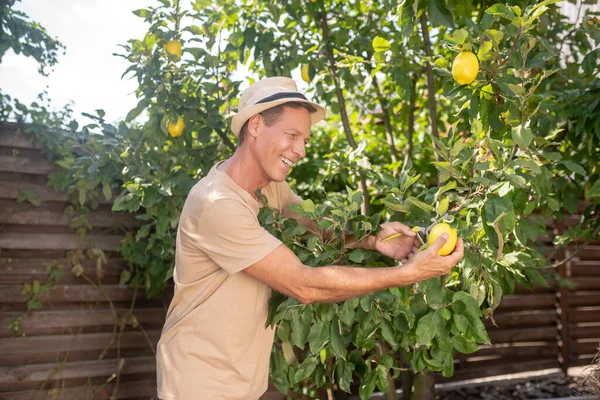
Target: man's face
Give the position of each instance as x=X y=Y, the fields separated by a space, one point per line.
x=282 y=144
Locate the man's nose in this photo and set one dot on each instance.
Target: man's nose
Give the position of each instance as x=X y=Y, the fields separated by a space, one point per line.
x=300 y=149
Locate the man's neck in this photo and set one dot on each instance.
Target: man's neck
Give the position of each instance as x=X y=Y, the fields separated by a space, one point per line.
x=245 y=172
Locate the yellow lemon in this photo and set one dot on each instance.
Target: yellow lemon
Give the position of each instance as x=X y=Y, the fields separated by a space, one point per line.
x=176 y=129
x=465 y=68
x=173 y=47
x=305 y=74
x=436 y=231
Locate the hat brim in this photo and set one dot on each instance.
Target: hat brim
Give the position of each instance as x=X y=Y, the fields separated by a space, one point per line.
x=240 y=118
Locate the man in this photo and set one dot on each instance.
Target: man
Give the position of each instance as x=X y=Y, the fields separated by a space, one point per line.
x=214 y=344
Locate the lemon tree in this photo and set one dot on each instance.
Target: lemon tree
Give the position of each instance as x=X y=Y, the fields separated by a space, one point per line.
x=414 y=133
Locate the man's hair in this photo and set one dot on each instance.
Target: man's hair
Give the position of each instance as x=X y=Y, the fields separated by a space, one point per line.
x=273 y=115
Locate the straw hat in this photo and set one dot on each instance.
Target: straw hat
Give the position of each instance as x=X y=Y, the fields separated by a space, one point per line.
x=268 y=93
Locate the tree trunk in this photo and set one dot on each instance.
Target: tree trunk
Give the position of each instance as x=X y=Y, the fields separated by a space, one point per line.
x=391 y=392
x=424 y=386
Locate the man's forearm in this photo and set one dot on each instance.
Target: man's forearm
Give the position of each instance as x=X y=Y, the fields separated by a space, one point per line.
x=338 y=283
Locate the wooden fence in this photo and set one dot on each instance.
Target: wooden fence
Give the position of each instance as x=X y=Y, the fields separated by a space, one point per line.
x=72 y=347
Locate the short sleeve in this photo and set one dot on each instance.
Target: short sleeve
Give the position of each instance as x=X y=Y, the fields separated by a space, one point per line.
x=230 y=234
x=288 y=197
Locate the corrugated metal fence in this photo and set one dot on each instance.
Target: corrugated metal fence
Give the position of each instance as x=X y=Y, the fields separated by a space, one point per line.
x=86 y=331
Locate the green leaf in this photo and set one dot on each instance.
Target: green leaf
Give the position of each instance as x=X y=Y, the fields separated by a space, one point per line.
x=357 y=255
x=594 y=191
x=449 y=186
x=318 y=335
x=460 y=36
x=516 y=89
x=434 y=292
x=484 y=51
x=301 y=328
x=141 y=106
x=522 y=136
x=308 y=206
x=501 y=10
x=106 y=191
x=497 y=206
x=495 y=36
x=578 y=169
x=423 y=206
x=460 y=321
x=427 y=328
x=442 y=207
x=343 y=372
x=380 y=44
x=306 y=369
x=142 y=13
x=464 y=345
x=472 y=308
x=388 y=334
x=347 y=312
x=368 y=385
x=590 y=62
x=336 y=340
x=535 y=277
x=439 y=14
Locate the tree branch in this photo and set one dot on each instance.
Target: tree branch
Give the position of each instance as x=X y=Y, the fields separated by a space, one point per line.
x=225 y=139
x=342 y=105
x=387 y=121
x=430 y=82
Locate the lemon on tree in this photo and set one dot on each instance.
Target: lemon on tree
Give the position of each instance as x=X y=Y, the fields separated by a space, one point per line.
x=436 y=231
x=173 y=47
x=176 y=129
x=465 y=68
x=305 y=73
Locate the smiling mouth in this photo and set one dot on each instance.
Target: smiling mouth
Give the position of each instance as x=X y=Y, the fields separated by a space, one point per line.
x=287 y=162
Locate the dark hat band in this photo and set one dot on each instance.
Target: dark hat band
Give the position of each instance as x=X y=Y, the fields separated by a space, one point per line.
x=282 y=95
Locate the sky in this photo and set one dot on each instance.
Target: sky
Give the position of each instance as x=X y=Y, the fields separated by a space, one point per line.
x=88 y=74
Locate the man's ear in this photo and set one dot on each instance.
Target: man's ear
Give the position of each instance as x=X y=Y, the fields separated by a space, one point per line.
x=254 y=124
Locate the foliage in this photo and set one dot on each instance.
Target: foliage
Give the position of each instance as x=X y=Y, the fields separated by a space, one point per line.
x=24 y=36
x=497 y=159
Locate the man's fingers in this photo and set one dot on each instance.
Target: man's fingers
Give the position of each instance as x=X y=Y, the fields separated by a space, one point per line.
x=458 y=252
x=398 y=227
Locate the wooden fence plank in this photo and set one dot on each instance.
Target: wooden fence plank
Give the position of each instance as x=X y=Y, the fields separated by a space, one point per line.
x=127 y=390
x=53 y=322
x=18 y=214
x=523 y=349
x=529 y=318
x=27 y=165
x=12 y=190
x=527 y=302
x=63 y=343
x=584 y=346
x=584 y=314
x=19 y=271
x=586 y=268
x=522 y=334
x=70 y=294
x=586 y=283
x=63 y=241
x=496 y=368
x=10 y=377
x=589 y=253
x=13 y=136
x=584 y=299
x=586 y=331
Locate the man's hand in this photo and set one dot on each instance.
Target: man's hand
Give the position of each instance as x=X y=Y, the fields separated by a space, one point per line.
x=401 y=248
x=428 y=264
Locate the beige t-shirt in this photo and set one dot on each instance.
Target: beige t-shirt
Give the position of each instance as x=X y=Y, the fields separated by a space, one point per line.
x=214 y=344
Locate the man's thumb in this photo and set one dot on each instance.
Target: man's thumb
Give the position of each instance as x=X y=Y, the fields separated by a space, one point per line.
x=440 y=242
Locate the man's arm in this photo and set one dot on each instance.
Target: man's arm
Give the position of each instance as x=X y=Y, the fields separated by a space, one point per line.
x=283 y=271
